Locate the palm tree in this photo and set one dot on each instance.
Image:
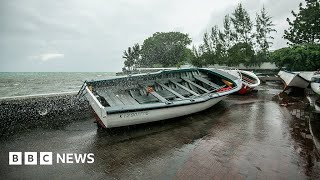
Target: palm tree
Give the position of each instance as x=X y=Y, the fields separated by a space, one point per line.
x=128 y=55
x=132 y=56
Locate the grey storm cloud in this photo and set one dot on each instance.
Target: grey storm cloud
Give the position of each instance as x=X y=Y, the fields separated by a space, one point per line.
x=81 y=35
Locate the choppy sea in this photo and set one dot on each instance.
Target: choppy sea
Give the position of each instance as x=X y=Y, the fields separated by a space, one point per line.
x=33 y=83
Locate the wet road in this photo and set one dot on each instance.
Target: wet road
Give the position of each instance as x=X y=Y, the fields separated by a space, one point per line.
x=243 y=137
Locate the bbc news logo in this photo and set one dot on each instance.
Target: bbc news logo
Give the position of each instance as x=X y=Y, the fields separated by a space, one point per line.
x=46 y=158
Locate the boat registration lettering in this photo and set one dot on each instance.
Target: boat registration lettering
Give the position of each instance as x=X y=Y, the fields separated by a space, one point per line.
x=134 y=114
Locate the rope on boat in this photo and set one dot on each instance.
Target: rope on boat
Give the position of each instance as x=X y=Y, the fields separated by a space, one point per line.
x=149 y=89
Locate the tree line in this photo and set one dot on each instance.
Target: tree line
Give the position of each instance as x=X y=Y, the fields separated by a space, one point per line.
x=240 y=40
x=162 y=49
x=303 y=53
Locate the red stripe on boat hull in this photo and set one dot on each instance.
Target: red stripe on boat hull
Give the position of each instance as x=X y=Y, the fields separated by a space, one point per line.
x=244 y=90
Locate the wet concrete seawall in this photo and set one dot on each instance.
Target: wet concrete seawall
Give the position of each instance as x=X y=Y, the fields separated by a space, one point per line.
x=47 y=111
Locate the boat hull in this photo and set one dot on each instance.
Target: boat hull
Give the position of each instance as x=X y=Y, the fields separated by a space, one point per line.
x=316 y=87
x=315 y=83
x=244 y=89
x=307 y=75
x=291 y=79
x=145 y=116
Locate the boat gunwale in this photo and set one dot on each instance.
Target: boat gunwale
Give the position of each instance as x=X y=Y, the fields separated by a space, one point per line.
x=165 y=72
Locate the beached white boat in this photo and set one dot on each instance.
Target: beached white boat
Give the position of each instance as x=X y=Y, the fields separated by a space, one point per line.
x=249 y=80
x=306 y=75
x=156 y=96
x=315 y=83
x=292 y=79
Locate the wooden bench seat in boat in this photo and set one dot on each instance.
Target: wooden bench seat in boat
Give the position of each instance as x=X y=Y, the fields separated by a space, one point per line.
x=146 y=98
x=126 y=98
x=178 y=84
x=154 y=91
x=166 y=94
x=182 y=91
x=116 y=98
x=195 y=85
x=109 y=97
x=201 y=79
x=173 y=91
x=176 y=88
x=149 y=98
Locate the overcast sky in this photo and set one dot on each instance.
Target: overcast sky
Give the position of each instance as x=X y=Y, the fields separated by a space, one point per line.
x=91 y=35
